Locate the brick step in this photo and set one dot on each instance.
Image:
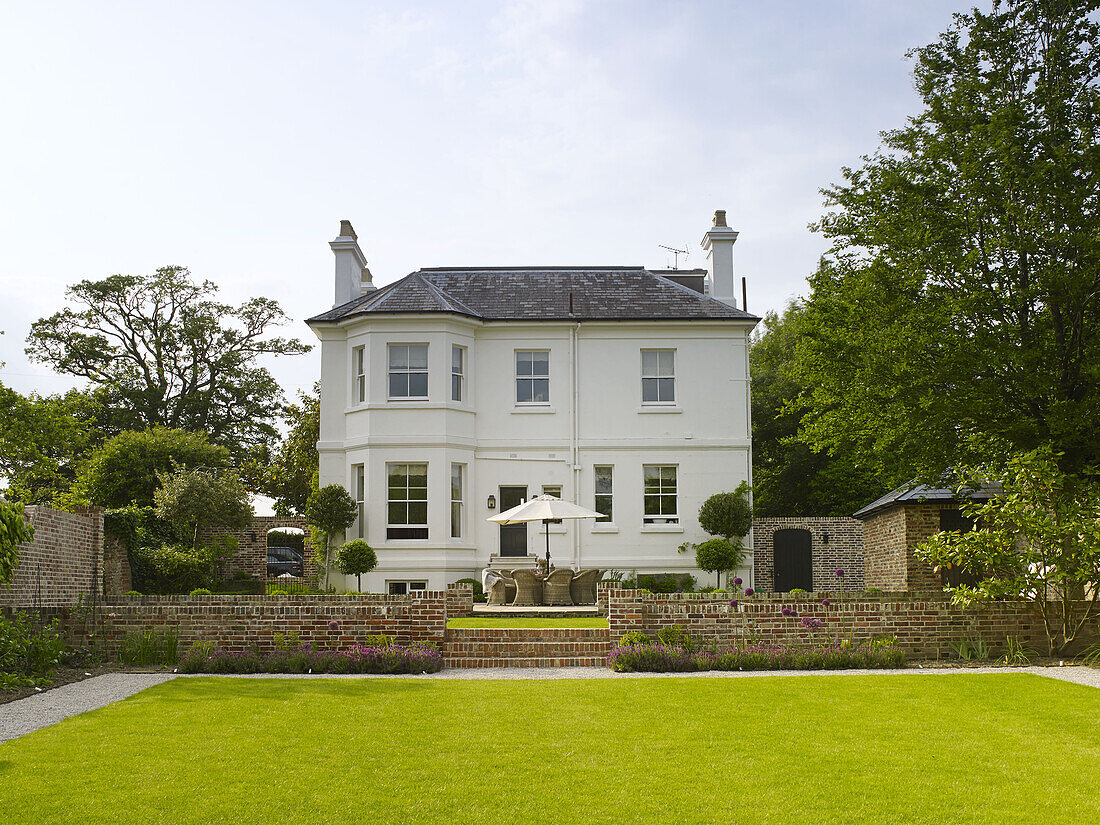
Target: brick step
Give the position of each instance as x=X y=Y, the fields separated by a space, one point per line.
x=526 y=661
x=527 y=647
x=529 y=634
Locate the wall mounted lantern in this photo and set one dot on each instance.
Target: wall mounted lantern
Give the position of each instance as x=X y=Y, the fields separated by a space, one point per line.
x=825 y=537
x=492 y=502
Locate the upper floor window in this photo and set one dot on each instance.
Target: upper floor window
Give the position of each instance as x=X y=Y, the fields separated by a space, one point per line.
x=360 y=372
x=659 y=494
x=604 y=491
x=406 y=501
x=408 y=370
x=533 y=376
x=658 y=376
x=458 y=372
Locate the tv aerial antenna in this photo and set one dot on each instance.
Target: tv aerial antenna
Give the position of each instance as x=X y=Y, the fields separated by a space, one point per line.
x=676 y=253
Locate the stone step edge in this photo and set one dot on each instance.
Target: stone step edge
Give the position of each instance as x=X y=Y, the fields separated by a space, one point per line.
x=541 y=662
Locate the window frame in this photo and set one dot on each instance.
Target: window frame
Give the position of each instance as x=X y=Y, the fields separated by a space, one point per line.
x=407 y=584
x=407 y=530
x=458 y=505
x=531 y=377
x=458 y=379
x=407 y=370
x=359 y=484
x=545 y=492
x=662 y=495
x=609 y=496
x=359 y=373
x=658 y=377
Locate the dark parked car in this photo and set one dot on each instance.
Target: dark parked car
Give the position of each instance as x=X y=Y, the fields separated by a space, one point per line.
x=282 y=560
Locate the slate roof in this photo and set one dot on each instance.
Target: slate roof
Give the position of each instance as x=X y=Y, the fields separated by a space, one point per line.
x=920 y=493
x=540 y=294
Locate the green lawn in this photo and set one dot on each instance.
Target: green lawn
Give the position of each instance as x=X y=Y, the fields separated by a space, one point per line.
x=815 y=749
x=504 y=621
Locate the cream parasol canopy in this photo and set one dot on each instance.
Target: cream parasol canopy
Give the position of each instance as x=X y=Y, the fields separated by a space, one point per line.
x=545 y=509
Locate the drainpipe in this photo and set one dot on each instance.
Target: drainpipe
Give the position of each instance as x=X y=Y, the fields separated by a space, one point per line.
x=574 y=457
x=748 y=419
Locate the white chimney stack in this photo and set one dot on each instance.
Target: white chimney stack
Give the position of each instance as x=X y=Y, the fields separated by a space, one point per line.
x=718 y=243
x=352 y=276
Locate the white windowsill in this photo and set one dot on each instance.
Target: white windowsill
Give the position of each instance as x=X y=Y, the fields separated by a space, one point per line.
x=401 y=399
x=662 y=528
x=658 y=408
x=605 y=527
x=533 y=410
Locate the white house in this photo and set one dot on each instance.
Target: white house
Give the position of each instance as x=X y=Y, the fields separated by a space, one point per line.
x=455 y=393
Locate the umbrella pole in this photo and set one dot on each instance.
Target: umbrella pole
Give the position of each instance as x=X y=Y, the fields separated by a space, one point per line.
x=547 y=523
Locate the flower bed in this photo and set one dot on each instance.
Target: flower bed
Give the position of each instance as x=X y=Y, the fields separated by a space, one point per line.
x=666 y=658
x=417 y=658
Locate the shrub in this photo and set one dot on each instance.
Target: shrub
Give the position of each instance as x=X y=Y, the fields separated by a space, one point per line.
x=132 y=593
x=635 y=637
x=149 y=647
x=675 y=635
x=200 y=591
x=356 y=558
x=14 y=530
x=417 y=658
x=377 y=640
x=797 y=591
x=718 y=555
x=29 y=653
x=670 y=658
x=172 y=568
x=667 y=582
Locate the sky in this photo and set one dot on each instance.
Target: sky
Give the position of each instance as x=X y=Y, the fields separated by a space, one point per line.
x=232 y=137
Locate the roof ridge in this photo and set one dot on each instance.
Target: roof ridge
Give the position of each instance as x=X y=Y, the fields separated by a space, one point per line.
x=448 y=300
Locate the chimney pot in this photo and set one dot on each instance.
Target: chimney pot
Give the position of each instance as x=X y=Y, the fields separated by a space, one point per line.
x=718 y=243
x=353 y=278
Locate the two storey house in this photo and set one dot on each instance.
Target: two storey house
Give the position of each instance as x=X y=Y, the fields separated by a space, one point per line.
x=453 y=394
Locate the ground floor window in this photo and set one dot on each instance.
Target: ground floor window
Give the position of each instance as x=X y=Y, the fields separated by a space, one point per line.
x=604 y=475
x=403 y=588
x=457 y=499
x=406 y=501
x=659 y=494
x=555 y=491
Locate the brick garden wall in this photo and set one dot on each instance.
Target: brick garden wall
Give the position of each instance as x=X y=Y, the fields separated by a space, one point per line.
x=923 y=627
x=844 y=550
x=63 y=562
x=251 y=557
x=241 y=623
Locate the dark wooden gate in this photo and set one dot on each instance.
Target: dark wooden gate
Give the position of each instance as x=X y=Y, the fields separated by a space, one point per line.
x=793 y=560
x=513 y=537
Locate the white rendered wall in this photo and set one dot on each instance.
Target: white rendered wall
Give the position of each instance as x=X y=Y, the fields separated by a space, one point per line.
x=705 y=434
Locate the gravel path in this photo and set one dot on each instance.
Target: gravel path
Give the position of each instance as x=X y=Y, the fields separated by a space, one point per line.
x=50 y=707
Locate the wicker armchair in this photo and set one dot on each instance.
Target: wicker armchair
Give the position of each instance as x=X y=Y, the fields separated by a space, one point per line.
x=583 y=586
x=528 y=588
x=555 y=587
x=502 y=590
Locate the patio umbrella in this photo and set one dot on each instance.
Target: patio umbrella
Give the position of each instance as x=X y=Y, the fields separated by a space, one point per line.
x=544 y=509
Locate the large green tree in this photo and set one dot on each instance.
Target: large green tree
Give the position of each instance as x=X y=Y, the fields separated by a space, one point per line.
x=44 y=440
x=790 y=478
x=1037 y=540
x=168 y=355
x=960 y=310
x=123 y=470
x=291 y=473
